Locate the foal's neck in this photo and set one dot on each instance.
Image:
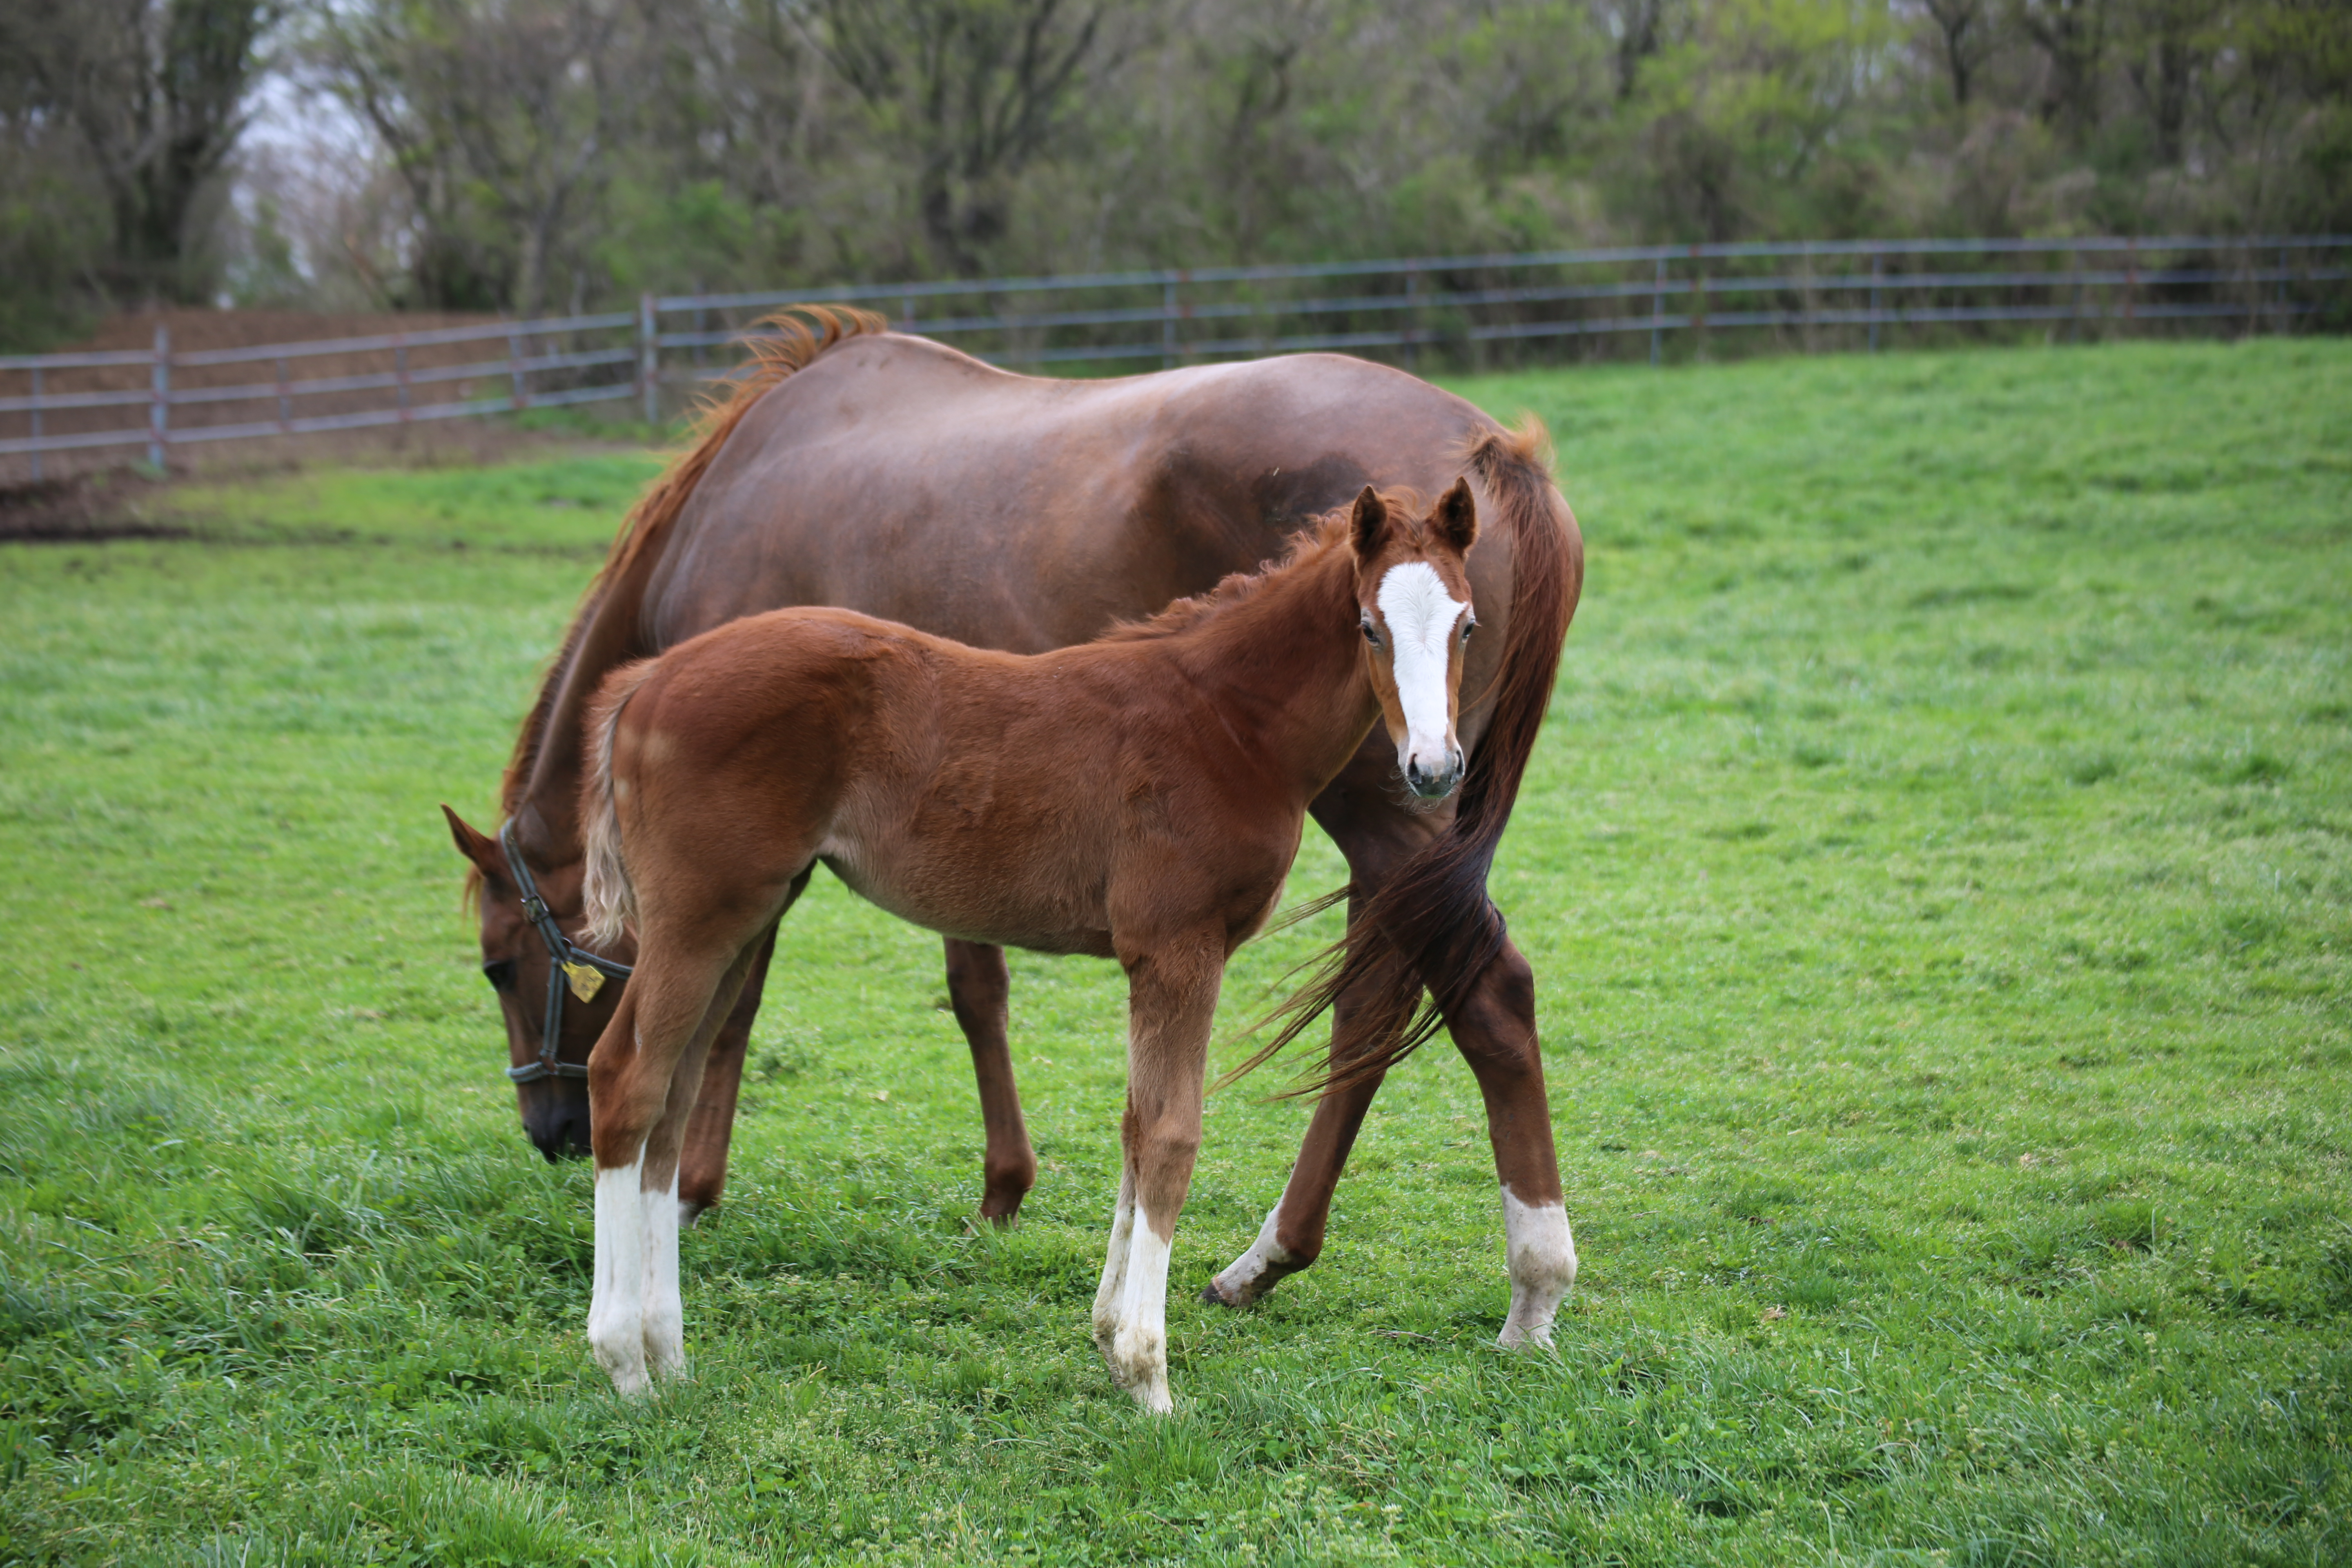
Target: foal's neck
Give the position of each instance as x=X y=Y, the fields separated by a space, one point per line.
x=1284 y=665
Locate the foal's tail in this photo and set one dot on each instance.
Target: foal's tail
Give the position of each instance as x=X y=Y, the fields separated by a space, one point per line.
x=1415 y=947
x=611 y=900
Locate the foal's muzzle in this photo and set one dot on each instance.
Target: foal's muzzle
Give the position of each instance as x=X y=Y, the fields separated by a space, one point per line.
x=1437 y=782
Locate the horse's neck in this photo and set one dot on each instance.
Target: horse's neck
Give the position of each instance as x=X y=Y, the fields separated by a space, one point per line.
x=547 y=810
x=1288 y=663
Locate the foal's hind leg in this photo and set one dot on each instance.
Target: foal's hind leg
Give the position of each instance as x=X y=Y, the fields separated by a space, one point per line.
x=980 y=990
x=703 y=1165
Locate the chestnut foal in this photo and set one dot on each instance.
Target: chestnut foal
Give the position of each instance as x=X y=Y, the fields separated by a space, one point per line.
x=1140 y=797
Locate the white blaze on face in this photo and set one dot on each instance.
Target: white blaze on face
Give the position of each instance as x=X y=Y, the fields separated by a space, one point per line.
x=1421 y=617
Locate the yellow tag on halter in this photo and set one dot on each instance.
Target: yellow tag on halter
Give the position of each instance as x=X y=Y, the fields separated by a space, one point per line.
x=586 y=980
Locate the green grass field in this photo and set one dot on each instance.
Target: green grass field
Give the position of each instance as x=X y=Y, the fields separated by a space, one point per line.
x=1939 y=873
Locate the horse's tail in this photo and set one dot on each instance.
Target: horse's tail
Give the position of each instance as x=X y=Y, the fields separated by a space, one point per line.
x=1415 y=947
x=605 y=888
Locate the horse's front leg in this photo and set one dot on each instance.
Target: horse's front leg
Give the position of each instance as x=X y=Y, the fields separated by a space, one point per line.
x=643 y=1079
x=1494 y=1027
x=1292 y=1236
x=1172 y=1004
x=980 y=989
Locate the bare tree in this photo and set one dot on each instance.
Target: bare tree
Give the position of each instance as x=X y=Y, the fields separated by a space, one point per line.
x=2169 y=42
x=515 y=105
x=1637 y=31
x=155 y=89
x=2072 y=34
x=1966 y=29
x=976 y=88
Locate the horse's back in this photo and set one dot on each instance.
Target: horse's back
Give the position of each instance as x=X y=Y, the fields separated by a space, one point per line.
x=905 y=479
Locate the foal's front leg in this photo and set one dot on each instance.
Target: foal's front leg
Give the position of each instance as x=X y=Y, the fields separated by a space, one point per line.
x=1171 y=1004
x=643 y=1078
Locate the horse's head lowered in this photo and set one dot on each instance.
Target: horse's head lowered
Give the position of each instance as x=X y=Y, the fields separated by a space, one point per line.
x=1412 y=601
x=555 y=996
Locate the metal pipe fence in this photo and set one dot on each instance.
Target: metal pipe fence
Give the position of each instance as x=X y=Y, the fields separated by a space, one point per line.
x=1467 y=310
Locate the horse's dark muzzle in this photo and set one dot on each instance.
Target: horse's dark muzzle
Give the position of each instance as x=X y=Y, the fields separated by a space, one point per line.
x=560 y=1138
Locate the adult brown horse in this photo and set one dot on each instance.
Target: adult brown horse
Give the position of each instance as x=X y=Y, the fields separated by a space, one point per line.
x=889 y=475
x=1139 y=797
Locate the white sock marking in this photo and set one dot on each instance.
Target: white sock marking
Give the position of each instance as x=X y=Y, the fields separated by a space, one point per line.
x=1420 y=617
x=617 y=1310
x=1139 y=1350
x=1111 y=1290
x=1239 y=1283
x=1542 y=1254
x=664 y=1309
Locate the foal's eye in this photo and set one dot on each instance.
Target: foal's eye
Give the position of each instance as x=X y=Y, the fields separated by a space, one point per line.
x=1371 y=634
x=1467 y=627
x=501 y=975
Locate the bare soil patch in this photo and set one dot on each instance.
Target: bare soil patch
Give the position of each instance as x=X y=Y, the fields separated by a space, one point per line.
x=81 y=510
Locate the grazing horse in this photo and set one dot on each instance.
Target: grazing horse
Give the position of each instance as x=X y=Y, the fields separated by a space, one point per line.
x=1139 y=797
x=888 y=474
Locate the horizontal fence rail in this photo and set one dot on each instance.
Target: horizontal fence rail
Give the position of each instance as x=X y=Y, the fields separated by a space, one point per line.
x=1809 y=296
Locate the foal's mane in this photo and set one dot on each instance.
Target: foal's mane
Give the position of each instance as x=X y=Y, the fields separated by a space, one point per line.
x=1327 y=533
x=795 y=337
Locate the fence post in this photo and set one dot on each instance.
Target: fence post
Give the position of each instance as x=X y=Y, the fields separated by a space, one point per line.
x=1805 y=298
x=2131 y=274
x=1698 y=316
x=906 y=313
x=285 y=400
x=1168 y=323
x=1657 y=308
x=648 y=360
x=37 y=422
x=400 y=370
x=1877 y=295
x=159 y=411
x=1412 y=317
x=517 y=378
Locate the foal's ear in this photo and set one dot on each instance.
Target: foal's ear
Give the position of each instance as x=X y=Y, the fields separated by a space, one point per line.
x=1369 y=529
x=1456 y=517
x=483 y=852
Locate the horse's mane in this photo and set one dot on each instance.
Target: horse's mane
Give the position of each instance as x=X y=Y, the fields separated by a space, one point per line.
x=1325 y=533
x=795 y=336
